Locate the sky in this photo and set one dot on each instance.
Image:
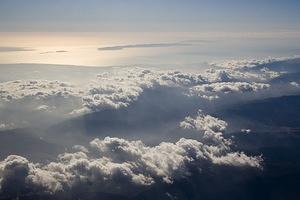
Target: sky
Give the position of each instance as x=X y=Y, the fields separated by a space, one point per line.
x=145 y=15
x=144 y=32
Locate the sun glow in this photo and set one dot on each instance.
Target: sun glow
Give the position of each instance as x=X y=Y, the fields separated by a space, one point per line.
x=144 y=48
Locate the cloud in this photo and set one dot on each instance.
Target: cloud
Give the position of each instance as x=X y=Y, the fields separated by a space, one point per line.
x=37 y=97
x=250 y=63
x=14 y=170
x=149 y=45
x=209 y=126
x=234 y=75
x=45 y=108
x=121 y=87
x=5 y=126
x=246 y=130
x=12 y=49
x=214 y=90
x=118 y=163
x=35 y=89
x=58 y=51
x=295 y=84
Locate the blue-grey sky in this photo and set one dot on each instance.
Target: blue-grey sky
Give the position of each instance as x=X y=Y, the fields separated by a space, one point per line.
x=149 y=15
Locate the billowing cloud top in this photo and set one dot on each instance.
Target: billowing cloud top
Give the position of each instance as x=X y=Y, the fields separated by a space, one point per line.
x=123 y=86
x=114 y=162
x=36 y=89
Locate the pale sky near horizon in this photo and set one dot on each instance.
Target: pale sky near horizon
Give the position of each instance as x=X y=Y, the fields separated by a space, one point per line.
x=146 y=32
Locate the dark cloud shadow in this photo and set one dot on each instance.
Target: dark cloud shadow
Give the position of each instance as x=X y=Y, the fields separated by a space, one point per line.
x=28 y=144
x=280 y=114
x=153 y=118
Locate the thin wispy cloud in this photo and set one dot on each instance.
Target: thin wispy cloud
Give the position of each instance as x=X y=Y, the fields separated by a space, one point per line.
x=59 y=51
x=147 y=45
x=197 y=41
x=12 y=49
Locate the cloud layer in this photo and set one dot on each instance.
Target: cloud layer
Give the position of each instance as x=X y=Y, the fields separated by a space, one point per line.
x=36 y=89
x=119 y=164
x=120 y=87
x=115 y=163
